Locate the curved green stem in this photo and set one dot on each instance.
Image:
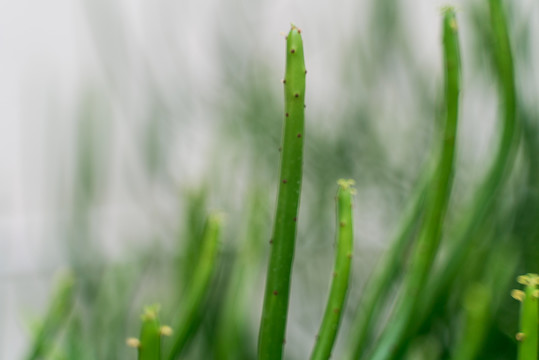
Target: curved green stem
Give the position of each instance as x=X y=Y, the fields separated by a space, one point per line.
x=437 y=200
x=189 y=316
x=275 y=309
x=341 y=273
x=485 y=199
x=528 y=335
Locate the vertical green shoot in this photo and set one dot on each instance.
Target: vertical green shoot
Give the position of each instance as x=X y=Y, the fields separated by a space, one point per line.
x=341 y=273
x=437 y=201
x=477 y=306
x=275 y=310
x=493 y=182
x=188 y=318
x=528 y=335
x=149 y=344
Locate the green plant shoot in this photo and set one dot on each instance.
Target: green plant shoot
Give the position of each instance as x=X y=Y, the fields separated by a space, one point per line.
x=437 y=200
x=341 y=273
x=149 y=344
x=188 y=318
x=275 y=310
x=477 y=307
x=492 y=183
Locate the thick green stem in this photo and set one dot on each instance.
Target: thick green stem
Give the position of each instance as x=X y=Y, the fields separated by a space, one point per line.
x=188 y=318
x=437 y=200
x=149 y=344
x=275 y=311
x=528 y=335
x=341 y=273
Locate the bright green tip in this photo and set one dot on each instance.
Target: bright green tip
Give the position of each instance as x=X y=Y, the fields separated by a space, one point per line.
x=294 y=29
x=150 y=312
x=448 y=9
x=347 y=184
x=217 y=218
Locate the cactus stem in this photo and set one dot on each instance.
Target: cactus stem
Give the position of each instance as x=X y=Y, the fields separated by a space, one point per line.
x=339 y=284
x=275 y=309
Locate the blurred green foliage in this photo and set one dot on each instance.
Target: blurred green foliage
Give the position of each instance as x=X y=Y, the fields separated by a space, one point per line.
x=379 y=133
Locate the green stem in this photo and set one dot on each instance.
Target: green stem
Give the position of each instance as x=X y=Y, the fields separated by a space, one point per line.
x=197 y=291
x=275 y=310
x=437 y=200
x=341 y=273
x=149 y=345
x=529 y=317
x=477 y=305
x=493 y=182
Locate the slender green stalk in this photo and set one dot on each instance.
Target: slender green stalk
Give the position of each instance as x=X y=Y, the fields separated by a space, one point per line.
x=57 y=315
x=485 y=199
x=149 y=344
x=341 y=273
x=528 y=336
x=195 y=200
x=197 y=291
x=275 y=310
x=477 y=309
x=437 y=200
